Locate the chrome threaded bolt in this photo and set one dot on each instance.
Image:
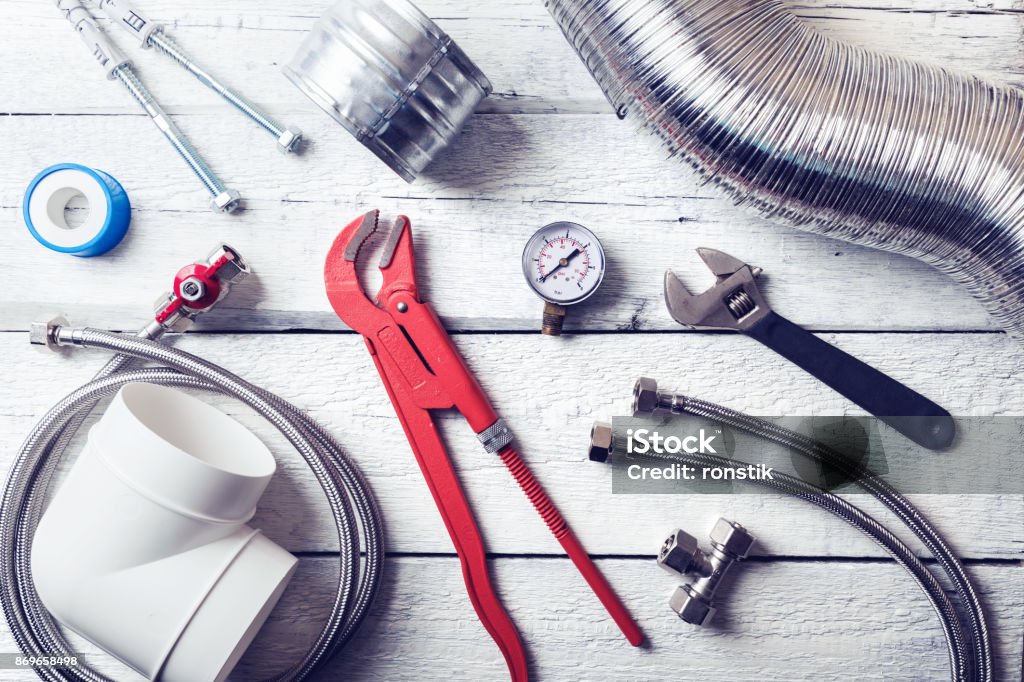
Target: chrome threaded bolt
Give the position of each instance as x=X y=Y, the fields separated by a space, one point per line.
x=288 y=139
x=224 y=200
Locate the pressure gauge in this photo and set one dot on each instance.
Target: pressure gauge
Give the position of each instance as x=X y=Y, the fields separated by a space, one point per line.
x=564 y=265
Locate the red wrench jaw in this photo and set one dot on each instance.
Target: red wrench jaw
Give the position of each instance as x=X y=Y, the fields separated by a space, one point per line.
x=341 y=280
x=398 y=263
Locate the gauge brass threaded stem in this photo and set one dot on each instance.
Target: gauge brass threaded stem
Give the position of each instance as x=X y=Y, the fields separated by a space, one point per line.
x=554 y=317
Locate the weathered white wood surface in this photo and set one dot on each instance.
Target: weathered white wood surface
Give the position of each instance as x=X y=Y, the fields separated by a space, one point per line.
x=509 y=174
x=333 y=378
x=784 y=620
x=819 y=603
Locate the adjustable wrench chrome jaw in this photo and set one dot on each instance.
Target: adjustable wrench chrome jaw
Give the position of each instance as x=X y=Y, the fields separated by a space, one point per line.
x=734 y=303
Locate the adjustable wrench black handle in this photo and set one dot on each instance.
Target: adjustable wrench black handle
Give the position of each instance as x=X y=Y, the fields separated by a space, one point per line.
x=907 y=411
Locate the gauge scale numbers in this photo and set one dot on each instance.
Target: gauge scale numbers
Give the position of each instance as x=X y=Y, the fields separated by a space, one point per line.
x=564 y=263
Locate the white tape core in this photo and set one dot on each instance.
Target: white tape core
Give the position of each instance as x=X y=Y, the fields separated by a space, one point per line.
x=52 y=195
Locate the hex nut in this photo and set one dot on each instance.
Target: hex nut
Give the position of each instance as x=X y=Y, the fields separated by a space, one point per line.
x=732 y=538
x=679 y=552
x=690 y=607
x=226 y=201
x=235 y=269
x=645 y=396
x=192 y=289
x=40 y=334
x=289 y=141
x=600 y=442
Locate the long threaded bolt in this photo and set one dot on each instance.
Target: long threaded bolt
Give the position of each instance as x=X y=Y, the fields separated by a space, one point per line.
x=224 y=200
x=288 y=139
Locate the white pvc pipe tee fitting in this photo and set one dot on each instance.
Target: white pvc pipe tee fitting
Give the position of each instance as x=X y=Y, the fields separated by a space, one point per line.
x=145 y=551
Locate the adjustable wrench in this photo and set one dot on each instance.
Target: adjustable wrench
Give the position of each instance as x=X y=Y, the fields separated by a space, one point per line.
x=736 y=303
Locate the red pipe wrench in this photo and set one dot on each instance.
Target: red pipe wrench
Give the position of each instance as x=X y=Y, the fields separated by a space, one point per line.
x=422 y=370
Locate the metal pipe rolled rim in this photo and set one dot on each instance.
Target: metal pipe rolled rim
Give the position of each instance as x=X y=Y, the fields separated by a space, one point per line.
x=391 y=77
x=828 y=137
x=352 y=504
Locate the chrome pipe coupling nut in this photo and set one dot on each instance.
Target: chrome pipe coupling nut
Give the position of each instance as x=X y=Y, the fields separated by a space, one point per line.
x=391 y=78
x=681 y=555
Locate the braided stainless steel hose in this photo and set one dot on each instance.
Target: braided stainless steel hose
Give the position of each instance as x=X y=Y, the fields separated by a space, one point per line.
x=958 y=647
x=829 y=137
x=648 y=399
x=885 y=493
x=352 y=505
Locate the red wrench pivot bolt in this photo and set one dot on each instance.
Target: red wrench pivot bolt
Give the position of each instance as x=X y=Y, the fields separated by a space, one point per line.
x=422 y=371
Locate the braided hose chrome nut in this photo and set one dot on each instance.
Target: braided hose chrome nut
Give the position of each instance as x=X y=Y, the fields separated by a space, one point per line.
x=645 y=396
x=43 y=335
x=600 y=442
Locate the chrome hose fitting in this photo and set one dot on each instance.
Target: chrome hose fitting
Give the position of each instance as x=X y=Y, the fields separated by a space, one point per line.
x=681 y=555
x=45 y=335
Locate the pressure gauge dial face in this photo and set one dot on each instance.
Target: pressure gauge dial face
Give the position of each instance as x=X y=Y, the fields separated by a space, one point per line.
x=564 y=263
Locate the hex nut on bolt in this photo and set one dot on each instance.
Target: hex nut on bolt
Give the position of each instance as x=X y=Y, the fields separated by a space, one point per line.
x=289 y=141
x=732 y=538
x=41 y=333
x=678 y=553
x=226 y=201
x=600 y=442
x=645 y=396
x=690 y=607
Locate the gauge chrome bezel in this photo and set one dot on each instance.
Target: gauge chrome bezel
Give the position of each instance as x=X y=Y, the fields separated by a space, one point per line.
x=596 y=248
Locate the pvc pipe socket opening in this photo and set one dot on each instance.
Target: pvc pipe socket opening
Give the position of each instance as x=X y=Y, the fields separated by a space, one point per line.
x=198 y=430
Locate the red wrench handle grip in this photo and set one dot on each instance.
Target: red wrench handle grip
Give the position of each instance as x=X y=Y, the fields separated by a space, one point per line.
x=451 y=502
x=547 y=510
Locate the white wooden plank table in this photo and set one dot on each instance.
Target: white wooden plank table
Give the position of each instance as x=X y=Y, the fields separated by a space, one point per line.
x=817 y=602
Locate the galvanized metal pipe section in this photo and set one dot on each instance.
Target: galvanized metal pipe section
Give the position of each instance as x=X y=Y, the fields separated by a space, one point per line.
x=831 y=138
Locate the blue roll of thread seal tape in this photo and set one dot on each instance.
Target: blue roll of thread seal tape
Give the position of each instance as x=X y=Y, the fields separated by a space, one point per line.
x=48 y=195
